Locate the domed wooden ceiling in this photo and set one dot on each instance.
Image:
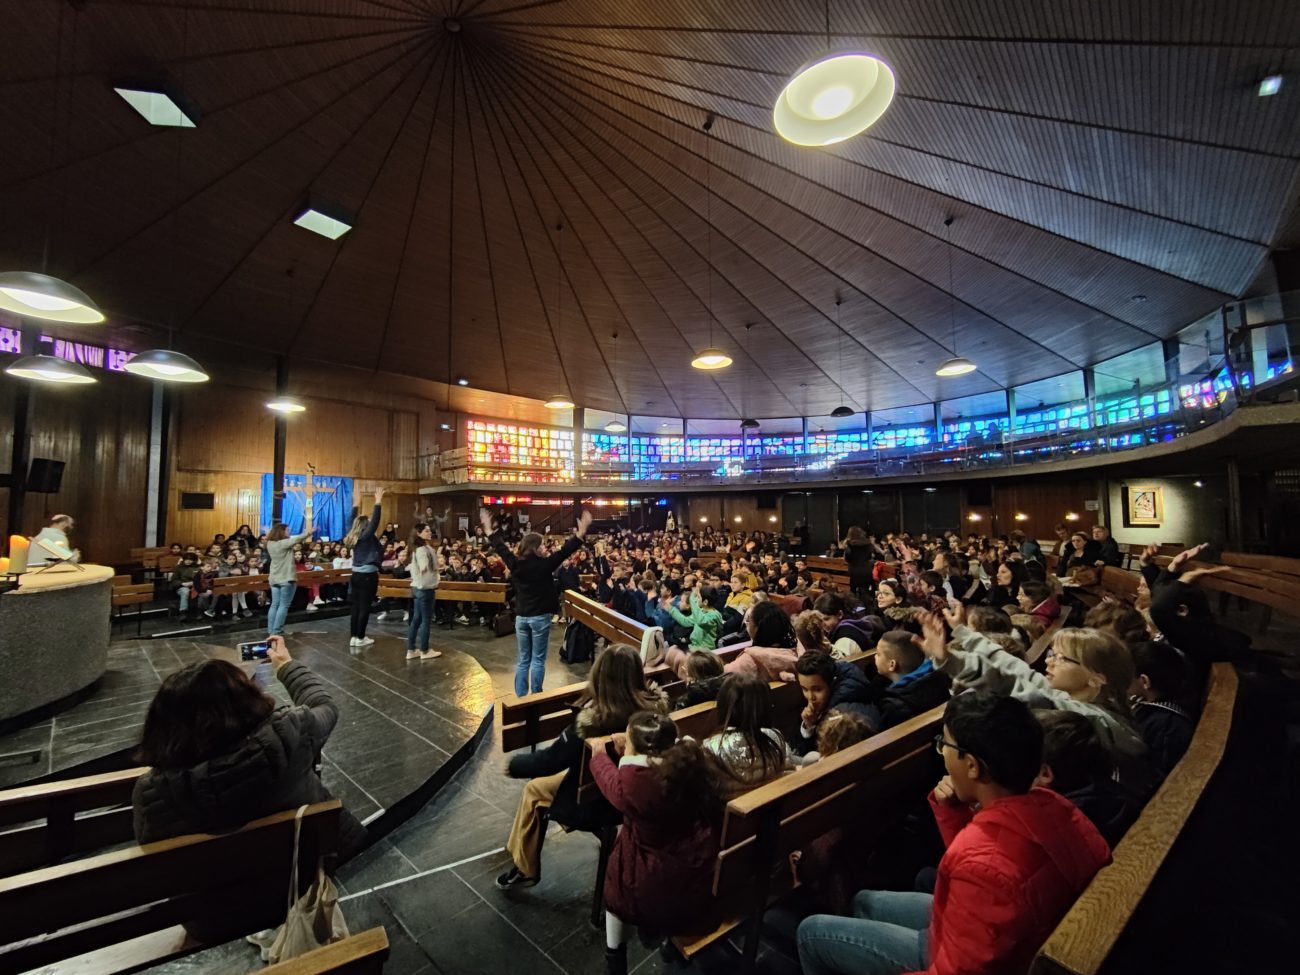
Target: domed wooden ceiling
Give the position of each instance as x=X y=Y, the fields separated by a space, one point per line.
x=1111 y=171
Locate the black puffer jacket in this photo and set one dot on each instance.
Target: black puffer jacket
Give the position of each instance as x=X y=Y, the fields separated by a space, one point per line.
x=271 y=770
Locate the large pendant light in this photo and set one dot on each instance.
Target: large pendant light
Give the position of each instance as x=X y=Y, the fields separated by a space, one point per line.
x=166 y=366
x=843 y=410
x=34 y=295
x=50 y=369
x=712 y=357
x=833 y=97
x=957 y=365
x=40 y=295
x=616 y=425
x=559 y=402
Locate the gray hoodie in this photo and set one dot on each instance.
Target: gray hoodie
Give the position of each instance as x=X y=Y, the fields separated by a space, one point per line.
x=982 y=663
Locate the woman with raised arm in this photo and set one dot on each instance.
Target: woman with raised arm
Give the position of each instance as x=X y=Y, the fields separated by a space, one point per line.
x=533 y=575
x=367 y=556
x=283 y=574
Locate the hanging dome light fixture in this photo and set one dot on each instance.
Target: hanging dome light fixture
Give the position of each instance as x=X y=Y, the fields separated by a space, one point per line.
x=559 y=402
x=712 y=357
x=957 y=365
x=833 y=97
x=166 y=366
x=35 y=295
x=286 y=404
x=50 y=369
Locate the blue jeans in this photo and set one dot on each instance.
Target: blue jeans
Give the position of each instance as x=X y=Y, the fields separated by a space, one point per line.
x=417 y=633
x=281 y=597
x=533 y=634
x=888 y=934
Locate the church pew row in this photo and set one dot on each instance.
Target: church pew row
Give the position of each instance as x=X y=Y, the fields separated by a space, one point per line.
x=1087 y=934
x=449 y=590
x=124 y=910
x=43 y=824
x=830 y=570
x=361 y=954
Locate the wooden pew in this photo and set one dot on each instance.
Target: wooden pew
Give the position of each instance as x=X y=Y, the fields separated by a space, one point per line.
x=448 y=590
x=360 y=954
x=43 y=824
x=148 y=557
x=1086 y=935
x=1039 y=646
x=132 y=595
x=127 y=907
x=536 y=718
x=603 y=621
x=828 y=570
x=875 y=781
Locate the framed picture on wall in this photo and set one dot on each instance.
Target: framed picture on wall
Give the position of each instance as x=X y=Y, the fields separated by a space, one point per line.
x=1144 y=506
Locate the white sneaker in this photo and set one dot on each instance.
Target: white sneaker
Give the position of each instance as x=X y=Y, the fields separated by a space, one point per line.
x=354 y=642
x=431 y=654
x=412 y=654
x=311 y=607
x=364 y=641
x=463 y=619
x=406 y=617
x=318 y=601
x=380 y=616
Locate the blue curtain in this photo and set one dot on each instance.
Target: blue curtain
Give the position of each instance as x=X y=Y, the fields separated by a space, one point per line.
x=331 y=504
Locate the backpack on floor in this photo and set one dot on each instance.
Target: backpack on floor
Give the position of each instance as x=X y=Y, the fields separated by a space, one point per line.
x=503 y=624
x=579 y=644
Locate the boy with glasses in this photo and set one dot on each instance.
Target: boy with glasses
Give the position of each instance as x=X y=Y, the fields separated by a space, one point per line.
x=1017 y=858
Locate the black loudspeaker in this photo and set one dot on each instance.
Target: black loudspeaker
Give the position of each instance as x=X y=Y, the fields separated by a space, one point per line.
x=979 y=495
x=766 y=502
x=44 y=476
x=195 y=501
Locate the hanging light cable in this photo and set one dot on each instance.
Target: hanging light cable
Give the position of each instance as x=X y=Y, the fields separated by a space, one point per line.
x=560 y=401
x=843 y=410
x=167 y=365
x=616 y=425
x=33 y=294
x=712 y=357
x=834 y=97
x=957 y=365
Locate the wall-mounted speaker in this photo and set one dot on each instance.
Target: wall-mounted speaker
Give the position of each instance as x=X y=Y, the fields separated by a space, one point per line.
x=979 y=495
x=766 y=502
x=197 y=501
x=44 y=476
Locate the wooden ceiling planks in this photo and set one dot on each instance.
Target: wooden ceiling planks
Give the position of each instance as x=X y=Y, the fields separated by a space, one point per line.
x=1091 y=151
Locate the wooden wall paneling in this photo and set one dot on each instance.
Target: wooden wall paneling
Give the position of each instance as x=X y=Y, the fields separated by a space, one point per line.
x=236 y=501
x=101 y=433
x=1044 y=502
x=404 y=445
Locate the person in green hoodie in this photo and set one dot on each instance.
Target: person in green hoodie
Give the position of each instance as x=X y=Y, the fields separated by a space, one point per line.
x=705 y=621
x=182 y=579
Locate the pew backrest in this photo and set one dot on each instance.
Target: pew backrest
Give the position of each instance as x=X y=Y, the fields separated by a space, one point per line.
x=363 y=953
x=63 y=911
x=42 y=824
x=1087 y=934
x=603 y=621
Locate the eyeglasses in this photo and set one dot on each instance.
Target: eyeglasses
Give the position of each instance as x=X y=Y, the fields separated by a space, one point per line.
x=940 y=743
x=1054 y=654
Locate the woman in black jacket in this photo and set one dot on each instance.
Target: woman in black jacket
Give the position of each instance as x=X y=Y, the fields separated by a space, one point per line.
x=367 y=556
x=615 y=692
x=533 y=576
x=222 y=754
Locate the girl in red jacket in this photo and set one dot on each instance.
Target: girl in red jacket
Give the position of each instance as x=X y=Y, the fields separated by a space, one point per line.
x=1017 y=858
x=660 y=870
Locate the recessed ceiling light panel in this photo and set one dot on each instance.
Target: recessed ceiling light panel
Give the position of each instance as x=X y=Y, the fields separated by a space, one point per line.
x=162 y=105
x=324 y=220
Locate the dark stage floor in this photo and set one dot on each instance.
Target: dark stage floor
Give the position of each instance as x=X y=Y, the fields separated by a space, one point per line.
x=400 y=722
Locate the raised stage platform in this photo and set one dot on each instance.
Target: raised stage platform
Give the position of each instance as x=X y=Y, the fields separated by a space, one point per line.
x=404 y=727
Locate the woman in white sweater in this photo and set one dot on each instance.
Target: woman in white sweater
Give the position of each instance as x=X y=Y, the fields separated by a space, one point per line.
x=283 y=576
x=1088 y=671
x=424 y=583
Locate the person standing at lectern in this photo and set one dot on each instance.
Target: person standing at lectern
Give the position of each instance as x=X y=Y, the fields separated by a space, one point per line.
x=56 y=535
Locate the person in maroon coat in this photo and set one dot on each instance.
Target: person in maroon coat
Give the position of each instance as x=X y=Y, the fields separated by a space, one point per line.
x=660 y=870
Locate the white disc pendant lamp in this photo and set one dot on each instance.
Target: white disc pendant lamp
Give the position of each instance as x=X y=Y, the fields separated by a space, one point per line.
x=833 y=98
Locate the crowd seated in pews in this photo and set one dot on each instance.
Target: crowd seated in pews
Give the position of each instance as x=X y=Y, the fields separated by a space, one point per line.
x=1060 y=719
